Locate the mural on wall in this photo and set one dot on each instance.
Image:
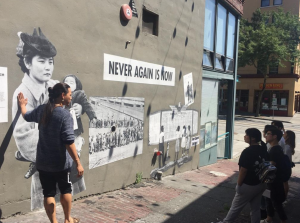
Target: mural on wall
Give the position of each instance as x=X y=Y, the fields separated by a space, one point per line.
x=36 y=55
x=188 y=89
x=118 y=132
x=3 y=95
x=177 y=124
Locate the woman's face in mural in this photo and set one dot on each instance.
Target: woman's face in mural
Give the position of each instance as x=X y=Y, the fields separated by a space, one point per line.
x=41 y=68
x=71 y=82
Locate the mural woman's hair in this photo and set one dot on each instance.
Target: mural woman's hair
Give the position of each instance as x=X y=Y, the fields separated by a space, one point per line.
x=32 y=45
x=54 y=93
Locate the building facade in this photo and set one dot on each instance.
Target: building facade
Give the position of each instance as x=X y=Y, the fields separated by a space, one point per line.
x=282 y=93
x=137 y=89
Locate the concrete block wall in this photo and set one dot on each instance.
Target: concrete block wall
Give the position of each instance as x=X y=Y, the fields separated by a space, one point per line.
x=82 y=31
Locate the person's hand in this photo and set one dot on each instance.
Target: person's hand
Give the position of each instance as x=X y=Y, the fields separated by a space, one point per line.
x=80 y=170
x=22 y=100
x=78 y=109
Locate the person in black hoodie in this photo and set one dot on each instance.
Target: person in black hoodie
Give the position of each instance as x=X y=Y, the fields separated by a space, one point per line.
x=249 y=188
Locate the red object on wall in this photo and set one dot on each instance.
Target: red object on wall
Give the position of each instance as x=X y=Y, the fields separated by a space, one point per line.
x=126 y=12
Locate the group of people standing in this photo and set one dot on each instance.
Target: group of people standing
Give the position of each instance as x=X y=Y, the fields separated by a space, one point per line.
x=249 y=189
x=184 y=144
x=101 y=142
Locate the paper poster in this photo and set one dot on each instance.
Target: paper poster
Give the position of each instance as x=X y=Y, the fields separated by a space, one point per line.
x=118 y=131
x=3 y=95
x=188 y=89
x=195 y=140
x=154 y=128
x=127 y=70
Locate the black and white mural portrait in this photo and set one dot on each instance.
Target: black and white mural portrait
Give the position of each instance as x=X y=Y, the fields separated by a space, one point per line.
x=188 y=89
x=118 y=131
x=36 y=60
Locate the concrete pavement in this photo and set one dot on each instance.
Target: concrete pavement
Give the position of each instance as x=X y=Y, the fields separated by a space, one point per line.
x=201 y=196
x=198 y=196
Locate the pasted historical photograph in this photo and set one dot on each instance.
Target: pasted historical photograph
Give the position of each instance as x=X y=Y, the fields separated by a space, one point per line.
x=118 y=131
x=177 y=124
x=36 y=60
x=188 y=89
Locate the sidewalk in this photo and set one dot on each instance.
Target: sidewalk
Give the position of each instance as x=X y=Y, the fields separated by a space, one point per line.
x=284 y=119
x=201 y=196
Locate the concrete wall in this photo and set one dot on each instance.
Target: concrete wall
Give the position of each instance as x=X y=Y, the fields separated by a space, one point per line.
x=82 y=31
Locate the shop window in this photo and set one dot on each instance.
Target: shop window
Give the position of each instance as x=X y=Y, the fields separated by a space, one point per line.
x=275 y=100
x=229 y=65
x=209 y=25
x=219 y=37
x=221 y=30
x=265 y=3
x=219 y=61
x=277 y=2
x=150 y=22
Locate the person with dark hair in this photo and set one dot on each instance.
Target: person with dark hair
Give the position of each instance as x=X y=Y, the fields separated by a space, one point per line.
x=266 y=128
x=289 y=150
x=279 y=125
x=277 y=196
x=79 y=98
x=55 y=149
x=249 y=188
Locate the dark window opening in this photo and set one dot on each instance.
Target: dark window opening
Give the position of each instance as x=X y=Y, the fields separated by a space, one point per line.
x=273 y=69
x=150 y=22
x=265 y=3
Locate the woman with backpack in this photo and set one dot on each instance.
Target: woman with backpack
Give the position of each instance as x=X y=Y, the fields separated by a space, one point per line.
x=249 y=188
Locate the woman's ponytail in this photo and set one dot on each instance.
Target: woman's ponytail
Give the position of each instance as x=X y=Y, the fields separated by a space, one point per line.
x=54 y=93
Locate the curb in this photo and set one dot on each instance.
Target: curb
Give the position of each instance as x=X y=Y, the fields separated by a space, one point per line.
x=267 y=119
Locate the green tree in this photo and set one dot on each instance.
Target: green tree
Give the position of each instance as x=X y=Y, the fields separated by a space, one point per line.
x=269 y=39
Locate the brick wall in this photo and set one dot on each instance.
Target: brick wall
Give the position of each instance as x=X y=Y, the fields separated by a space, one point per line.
x=237 y=5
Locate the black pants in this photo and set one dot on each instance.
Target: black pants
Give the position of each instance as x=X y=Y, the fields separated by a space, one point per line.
x=276 y=200
x=271 y=204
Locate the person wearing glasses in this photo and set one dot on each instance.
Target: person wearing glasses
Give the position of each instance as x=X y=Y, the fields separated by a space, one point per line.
x=277 y=197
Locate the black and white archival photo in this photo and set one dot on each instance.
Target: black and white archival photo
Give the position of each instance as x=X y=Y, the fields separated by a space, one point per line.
x=118 y=131
x=188 y=89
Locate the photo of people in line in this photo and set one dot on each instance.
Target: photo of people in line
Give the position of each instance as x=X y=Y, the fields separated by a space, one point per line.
x=118 y=131
x=188 y=89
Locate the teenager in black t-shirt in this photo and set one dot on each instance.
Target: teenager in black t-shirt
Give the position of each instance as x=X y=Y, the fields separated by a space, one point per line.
x=249 y=189
x=276 y=188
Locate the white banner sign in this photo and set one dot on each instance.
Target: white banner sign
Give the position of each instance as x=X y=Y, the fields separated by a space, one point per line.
x=127 y=70
x=3 y=95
